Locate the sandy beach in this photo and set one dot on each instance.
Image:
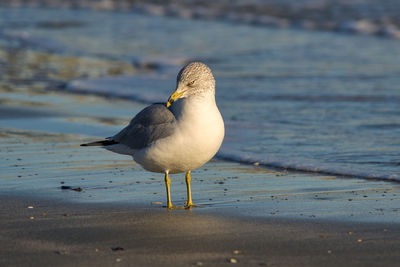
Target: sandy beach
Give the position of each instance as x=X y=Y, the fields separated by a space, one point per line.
x=64 y=205
x=38 y=232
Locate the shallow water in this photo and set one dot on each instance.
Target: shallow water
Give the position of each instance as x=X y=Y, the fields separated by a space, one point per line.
x=37 y=160
x=310 y=101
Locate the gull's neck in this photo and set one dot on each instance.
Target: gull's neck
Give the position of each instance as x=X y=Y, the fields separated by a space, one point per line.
x=193 y=105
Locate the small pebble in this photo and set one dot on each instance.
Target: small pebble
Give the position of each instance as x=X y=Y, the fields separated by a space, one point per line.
x=118 y=260
x=199 y=263
x=233 y=260
x=31 y=218
x=78 y=189
x=329 y=251
x=66 y=187
x=359 y=240
x=236 y=251
x=61 y=252
x=30 y=207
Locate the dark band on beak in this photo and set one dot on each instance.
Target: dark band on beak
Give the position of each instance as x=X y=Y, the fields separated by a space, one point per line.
x=175 y=96
x=170 y=101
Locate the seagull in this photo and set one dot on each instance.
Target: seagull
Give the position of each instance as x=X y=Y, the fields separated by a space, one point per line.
x=177 y=136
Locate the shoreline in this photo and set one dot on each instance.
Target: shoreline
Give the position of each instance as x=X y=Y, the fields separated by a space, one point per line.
x=54 y=159
x=63 y=234
x=54 y=123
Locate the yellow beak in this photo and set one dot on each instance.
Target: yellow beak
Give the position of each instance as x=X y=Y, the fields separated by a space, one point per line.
x=175 y=96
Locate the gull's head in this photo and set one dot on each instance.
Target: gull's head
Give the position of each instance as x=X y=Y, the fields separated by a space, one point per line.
x=193 y=79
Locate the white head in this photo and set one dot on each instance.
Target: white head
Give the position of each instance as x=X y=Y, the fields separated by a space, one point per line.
x=195 y=79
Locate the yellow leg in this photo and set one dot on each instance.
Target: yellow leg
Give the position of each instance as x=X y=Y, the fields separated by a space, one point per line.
x=189 y=202
x=167 y=183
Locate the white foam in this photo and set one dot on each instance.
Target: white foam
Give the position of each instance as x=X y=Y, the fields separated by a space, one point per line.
x=304 y=165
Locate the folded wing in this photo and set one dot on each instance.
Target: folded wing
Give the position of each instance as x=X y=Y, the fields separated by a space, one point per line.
x=149 y=125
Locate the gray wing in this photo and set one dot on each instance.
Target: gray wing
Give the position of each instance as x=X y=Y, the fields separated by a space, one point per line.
x=152 y=123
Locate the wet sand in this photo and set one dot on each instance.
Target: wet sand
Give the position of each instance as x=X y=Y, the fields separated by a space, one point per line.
x=41 y=157
x=39 y=232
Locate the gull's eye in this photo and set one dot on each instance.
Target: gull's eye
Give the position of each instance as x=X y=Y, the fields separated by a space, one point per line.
x=190 y=83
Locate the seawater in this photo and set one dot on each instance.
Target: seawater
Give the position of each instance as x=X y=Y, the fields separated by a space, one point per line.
x=310 y=101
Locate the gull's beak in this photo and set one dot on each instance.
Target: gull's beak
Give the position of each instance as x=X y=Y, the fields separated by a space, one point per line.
x=175 y=96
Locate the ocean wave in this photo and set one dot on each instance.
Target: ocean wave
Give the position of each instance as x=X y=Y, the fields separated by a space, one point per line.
x=26 y=39
x=323 y=98
x=155 y=87
x=290 y=164
x=352 y=16
x=147 y=88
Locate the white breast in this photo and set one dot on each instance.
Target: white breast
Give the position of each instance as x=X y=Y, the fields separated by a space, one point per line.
x=197 y=138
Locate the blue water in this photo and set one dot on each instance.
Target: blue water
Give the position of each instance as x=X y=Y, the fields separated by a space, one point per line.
x=310 y=101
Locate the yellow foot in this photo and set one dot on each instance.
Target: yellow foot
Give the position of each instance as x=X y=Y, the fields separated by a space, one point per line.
x=190 y=205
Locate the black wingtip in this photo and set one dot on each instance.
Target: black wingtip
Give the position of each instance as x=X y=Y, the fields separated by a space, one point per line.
x=101 y=143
